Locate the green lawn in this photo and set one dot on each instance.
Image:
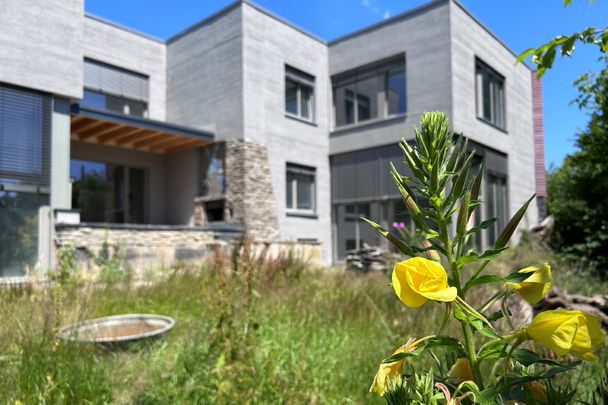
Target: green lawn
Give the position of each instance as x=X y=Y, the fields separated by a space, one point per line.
x=272 y=333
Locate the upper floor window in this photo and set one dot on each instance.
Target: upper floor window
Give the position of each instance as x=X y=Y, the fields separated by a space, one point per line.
x=490 y=94
x=371 y=92
x=115 y=89
x=300 y=189
x=299 y=93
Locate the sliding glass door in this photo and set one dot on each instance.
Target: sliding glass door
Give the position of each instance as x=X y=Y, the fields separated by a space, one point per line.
x=106 y=192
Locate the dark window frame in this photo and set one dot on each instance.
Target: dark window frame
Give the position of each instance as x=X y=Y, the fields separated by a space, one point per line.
x=497 y=104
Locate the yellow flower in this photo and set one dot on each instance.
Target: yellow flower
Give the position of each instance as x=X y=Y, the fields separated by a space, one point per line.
x=536 y=286
x=461 y=370
x=538 y=391
x=390 y=370
x=418 y=280
x=564 y=331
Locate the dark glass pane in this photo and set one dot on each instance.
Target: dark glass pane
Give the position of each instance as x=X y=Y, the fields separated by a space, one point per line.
x=137 y=178
x=289 y=190
x=304 y=191
x=498 y=104
x=369 y=92
x=344 y=100
x=89 y=189
x=115 y=104
x=94 y=99
x=487 y=97
x=19 y=231
x=306 y=102
x=396 y=93
x=291 y=97
x=137 y=108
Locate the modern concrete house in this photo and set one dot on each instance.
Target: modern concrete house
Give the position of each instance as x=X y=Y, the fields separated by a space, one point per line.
x=242 y=121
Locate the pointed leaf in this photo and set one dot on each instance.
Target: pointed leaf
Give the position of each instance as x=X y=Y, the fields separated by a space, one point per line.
x=398 y=243
x=506 y=233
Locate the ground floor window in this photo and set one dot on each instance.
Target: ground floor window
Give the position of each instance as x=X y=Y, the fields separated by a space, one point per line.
x=300 y=189
x=352 y=233
x=19 y=231
x=106 y=192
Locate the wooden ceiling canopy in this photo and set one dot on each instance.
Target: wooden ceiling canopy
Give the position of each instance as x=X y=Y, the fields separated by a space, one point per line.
x=152 y=136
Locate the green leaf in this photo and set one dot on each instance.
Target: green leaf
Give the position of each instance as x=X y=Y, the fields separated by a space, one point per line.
x=506 y=233
x=494 y=352
x=444 y=341
x=463 y=215
x=398 y=243
x=528 y=357
x=472 y=256
x=485 y=279
x=566 y=2
x=489 y=394
x=475 y=322
x=524 y=54
x=517 y=277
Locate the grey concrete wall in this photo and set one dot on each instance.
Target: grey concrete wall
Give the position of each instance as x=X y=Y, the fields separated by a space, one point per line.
x=468 y=41
x=204 y=76
x=106 y=42
x=183 y=185
x=41 y=45
x=155 y=164
x=60 y=154
x=423 y=35
x=269 y=44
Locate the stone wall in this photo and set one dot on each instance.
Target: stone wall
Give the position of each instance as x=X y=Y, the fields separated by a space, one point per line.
x=153 y=247
x=144 y=246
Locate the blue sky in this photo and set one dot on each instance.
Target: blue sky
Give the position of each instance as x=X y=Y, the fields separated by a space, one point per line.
x=519 y=23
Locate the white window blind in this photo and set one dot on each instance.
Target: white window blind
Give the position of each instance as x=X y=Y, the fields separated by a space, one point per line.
x=114 y=80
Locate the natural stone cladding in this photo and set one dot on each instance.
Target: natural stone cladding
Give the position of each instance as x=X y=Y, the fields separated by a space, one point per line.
x=144 y=246
x=249 y=193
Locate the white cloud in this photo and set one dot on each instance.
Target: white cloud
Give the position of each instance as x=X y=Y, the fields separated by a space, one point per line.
x=369 y=5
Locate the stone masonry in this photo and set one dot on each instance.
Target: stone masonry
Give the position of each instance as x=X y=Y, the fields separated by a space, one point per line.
x=144 y=246
x=249 y=195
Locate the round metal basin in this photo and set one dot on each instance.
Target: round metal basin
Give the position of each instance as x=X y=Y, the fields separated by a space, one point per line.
x=117 y=329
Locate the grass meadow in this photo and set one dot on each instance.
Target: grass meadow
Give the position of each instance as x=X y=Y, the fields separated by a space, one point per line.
x=247 y=331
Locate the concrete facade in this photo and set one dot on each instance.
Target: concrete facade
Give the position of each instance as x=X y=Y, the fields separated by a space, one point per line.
x=226 y=74
x=41 y=45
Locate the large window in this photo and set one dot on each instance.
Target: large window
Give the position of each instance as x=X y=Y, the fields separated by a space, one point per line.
x=300 y=189
x=490 y=93
x=106 y=192
x=299 y=94
x=25 y=130
x=370 y=93
x=112 y=88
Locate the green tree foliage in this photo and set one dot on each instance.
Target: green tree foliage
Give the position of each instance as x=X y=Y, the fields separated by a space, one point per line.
x=543 y=56
x=578 y=190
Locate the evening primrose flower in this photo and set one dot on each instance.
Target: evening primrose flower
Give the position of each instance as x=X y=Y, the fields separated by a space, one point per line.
x=536 y=286
x=461 y=370
x=567 y=331
x=418 y=280
x=390 y=370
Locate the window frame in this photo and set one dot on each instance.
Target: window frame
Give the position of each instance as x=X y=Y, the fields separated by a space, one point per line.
x=483 y=70
x=126 y=107
x=297 y=169
x=300 y=79
x=385 y=68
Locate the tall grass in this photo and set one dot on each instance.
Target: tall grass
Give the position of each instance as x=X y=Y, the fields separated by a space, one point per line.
x=268 y=330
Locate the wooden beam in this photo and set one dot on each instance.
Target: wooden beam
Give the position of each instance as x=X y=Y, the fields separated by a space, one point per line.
x=191 y=144
x=75 y=119
x=97 y=131
x=174 y=141
x=151 y=140
x=119 y=132
x=132 y=137
x=84 y=125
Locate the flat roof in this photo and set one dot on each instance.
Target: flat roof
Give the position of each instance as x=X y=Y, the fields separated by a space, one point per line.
x=225 y=10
